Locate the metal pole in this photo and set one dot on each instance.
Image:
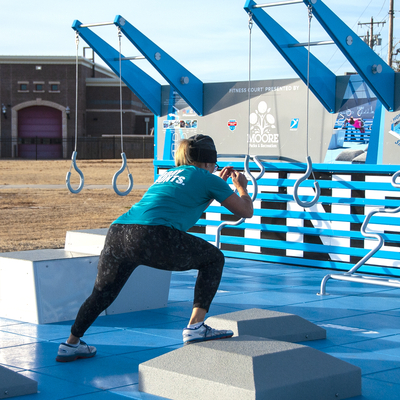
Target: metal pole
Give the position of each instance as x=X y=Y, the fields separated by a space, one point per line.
x=371 y=43
x=390 y=41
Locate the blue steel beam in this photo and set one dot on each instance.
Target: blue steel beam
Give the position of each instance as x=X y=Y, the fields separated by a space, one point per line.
x=184 y=82
x=145 y=87
x=375 y=72
x=322 y=81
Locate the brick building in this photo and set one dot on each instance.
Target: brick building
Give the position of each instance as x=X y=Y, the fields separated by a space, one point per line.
x=38 y=95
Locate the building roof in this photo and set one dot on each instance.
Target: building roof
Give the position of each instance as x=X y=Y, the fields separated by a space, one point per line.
x=61 y=60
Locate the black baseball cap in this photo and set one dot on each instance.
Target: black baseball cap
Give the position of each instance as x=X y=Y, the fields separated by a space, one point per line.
x=202 y=149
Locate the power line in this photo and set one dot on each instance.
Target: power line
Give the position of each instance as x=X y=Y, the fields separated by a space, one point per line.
x=334 y=53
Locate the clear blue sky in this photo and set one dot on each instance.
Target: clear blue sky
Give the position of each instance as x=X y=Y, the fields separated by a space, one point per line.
x=209 y=37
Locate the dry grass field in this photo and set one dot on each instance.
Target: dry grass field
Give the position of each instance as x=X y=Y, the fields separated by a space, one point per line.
x=38 y=218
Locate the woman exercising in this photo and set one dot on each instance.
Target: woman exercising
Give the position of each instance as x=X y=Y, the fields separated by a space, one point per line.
x=153 y=233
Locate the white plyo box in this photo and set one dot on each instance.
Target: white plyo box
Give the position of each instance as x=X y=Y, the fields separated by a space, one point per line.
x=89 y=241
x=146 y=289
x=44 y=286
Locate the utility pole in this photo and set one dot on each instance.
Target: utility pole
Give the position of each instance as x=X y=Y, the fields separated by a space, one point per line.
x=390 y=44
x=370 y=33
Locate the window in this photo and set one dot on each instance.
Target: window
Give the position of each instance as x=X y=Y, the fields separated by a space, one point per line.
x=39 y=87
x=23 y=86
x=54 y=87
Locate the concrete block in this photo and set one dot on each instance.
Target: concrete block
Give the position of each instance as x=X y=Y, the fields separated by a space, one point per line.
x=268 y=324
x=44 y=286
x=13 y=384
x=249 y=368
x=146 y=289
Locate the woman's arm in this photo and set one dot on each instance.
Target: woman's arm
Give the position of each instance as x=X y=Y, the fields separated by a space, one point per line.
x=239 y=204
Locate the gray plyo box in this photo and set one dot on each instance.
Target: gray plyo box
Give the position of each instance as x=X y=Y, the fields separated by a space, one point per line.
x=268 y=324
x=249 y=368
x=13 y=384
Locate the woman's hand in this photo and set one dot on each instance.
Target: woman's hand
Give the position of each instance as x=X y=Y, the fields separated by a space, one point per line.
x=239 y=180
x=239 y=204
x=225 y=173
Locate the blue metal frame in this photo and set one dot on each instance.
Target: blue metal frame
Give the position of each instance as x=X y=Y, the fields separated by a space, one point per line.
x=375 y=72
x=375 y=147
x=183 y=81
x=322 y=81
x=145 y=87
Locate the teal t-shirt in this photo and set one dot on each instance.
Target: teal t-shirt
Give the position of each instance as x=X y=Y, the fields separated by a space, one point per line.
x=177 y=198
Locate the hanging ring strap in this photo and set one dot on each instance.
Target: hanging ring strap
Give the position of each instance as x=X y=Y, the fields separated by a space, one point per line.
x=67 y=179
x=309 y=170
x=253 y=196
x=123 y=156
x=308 y=70
x=118 y=173
x=74 y=154
x=115 y=177
x=249 y=85
x=302 y=179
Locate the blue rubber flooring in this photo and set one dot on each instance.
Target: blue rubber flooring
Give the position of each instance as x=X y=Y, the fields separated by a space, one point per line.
x=362 y=323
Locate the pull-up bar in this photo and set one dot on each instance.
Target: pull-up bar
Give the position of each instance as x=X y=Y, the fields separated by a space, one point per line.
x=95 y=24
x=322 y=42
x=280 y=3
x=133 y=58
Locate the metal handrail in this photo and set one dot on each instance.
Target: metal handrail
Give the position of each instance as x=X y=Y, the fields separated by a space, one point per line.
x=349 y=275
x=394 y=177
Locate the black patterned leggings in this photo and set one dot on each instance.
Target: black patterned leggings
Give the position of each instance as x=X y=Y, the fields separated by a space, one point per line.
x=161 y=247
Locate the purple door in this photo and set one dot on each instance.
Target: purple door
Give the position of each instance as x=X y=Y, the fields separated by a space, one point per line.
x=39 y=133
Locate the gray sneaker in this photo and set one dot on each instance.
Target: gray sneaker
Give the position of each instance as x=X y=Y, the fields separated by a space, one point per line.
x=66 y=352
x=204 y=333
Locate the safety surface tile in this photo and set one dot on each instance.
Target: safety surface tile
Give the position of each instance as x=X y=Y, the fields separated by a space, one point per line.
x=362 y=324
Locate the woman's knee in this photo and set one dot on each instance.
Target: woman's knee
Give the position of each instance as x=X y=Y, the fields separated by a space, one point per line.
x=214 y=265
x=220 y=259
